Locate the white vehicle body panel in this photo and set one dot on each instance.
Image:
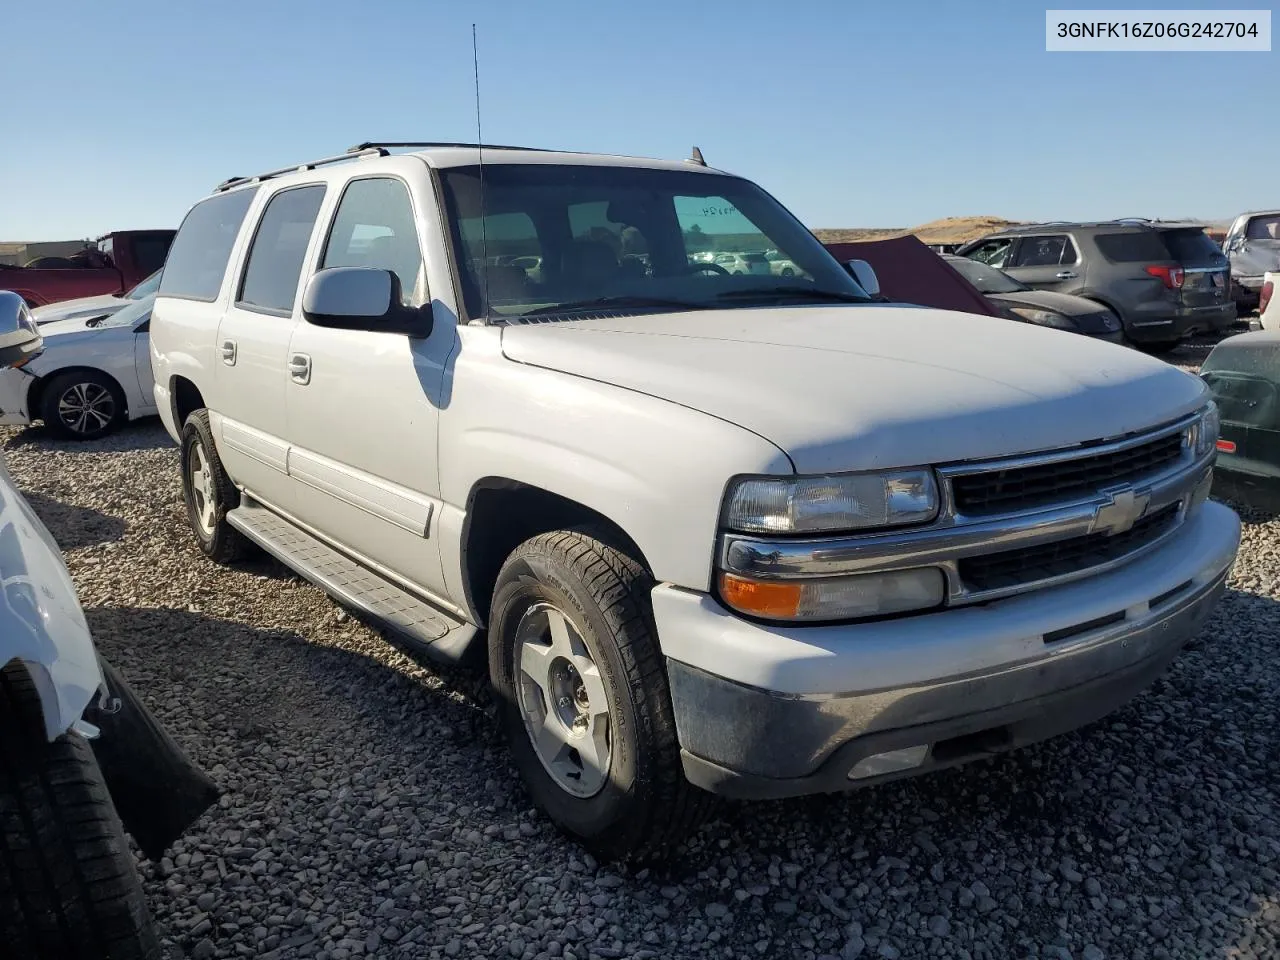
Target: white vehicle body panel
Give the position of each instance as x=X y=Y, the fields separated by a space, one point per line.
x=1269 y=319
x=41 y=623
x=120 y=351
x=863 y=387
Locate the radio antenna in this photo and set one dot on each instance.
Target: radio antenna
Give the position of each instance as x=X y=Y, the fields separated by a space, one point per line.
x=484 y=233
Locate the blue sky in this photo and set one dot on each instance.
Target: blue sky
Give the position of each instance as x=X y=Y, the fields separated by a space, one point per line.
x=852 y=113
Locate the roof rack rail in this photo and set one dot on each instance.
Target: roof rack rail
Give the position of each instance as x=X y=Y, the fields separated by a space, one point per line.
x=351 y=154
x=384 y=146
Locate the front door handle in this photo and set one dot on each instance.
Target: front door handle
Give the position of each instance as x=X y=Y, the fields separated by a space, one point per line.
x=1066 y=275
x=300 y=368
x=229 y=352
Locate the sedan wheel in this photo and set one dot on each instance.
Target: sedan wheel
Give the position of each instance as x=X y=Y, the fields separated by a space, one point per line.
x=82 y=405
x=86 y=408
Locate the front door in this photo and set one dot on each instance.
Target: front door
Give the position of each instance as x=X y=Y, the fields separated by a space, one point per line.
x=253 y=343
x=364 y=405
x=1048 y=262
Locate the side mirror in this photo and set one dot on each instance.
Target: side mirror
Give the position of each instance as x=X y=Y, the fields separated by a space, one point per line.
x=362 y=298
x=20 y=339
x=861 y=271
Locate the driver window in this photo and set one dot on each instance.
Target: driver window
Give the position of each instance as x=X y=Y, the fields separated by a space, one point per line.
x=994 y=253
x=374 y=227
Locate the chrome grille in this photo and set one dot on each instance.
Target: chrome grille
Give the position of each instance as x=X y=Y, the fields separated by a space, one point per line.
x=1012 y=568
x=1028 y=486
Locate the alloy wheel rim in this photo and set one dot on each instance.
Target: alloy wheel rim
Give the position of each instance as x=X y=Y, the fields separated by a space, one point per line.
x=563 y=701
x=86 y=407
x=202 y=488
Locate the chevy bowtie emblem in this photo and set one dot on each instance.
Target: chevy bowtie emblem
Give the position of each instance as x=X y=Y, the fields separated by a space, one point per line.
x=1125 y=509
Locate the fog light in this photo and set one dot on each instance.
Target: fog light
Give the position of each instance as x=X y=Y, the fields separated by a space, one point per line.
x=890 y=761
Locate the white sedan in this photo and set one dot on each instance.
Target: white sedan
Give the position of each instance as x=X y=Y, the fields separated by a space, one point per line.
x=94 y=375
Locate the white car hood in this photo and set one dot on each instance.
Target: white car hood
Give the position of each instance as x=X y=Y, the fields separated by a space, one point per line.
x=862 y=387
x=81 y=307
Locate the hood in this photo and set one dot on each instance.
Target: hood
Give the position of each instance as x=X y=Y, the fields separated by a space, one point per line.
x=64 y=327
x=1062 y=303
x=81 y=307
x=863 y=387
x=1255 y=257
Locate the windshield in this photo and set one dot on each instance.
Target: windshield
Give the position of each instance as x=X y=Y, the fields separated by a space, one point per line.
x=564 y=239
x=146 y=287
x=986 y=279
x=135 y=312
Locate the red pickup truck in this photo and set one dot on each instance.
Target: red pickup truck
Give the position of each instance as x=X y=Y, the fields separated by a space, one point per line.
x=114 y=263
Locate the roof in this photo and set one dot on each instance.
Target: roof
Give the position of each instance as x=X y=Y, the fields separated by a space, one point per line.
x=1134 y=224
x=445 y=155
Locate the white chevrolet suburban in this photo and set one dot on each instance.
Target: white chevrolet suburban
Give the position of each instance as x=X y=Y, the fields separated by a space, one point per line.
x=749 y=535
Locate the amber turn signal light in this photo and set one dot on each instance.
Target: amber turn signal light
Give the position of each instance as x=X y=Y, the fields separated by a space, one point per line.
x=760 y=598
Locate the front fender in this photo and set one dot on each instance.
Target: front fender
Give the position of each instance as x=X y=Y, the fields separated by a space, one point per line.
x=41 y=623
x=656 y=469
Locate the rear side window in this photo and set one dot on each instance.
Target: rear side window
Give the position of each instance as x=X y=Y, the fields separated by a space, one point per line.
x=1263 y=228
x=1143 y=246
x=1192 y=247
x=274 y=265
x=197 y=260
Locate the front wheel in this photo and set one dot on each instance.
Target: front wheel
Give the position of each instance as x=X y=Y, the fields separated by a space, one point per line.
x=582 y=687
x=68 y=884
x=82 y=405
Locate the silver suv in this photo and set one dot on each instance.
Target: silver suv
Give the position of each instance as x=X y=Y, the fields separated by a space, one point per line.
x=1164 y=280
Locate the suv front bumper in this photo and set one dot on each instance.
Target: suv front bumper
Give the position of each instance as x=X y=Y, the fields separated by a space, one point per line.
x=766 y=711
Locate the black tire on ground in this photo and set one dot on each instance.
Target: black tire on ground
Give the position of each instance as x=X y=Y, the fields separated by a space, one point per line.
x=82 y=405
x=1159 y=347
x=218 y=540
x=646 y=806
x=68 y=884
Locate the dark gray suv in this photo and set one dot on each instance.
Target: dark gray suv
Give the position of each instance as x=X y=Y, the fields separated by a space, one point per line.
x=1164 y=280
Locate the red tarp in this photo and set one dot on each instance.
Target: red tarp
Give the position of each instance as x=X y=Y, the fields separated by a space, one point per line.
x=909 y=272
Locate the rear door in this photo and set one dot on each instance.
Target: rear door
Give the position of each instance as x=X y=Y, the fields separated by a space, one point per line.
x=1205 y=279
x=253 y=343
x=1047 y=262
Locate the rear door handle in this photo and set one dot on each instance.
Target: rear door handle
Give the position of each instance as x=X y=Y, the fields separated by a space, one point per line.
x=1066 y=275
x=229 y=352
x=300 y=368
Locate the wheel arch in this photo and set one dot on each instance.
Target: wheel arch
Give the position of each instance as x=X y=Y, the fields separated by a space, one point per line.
x=184 y=398
x=503 y=513
x=35 y=392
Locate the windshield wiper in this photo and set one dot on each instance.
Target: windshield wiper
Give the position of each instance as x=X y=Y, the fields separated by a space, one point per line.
x=808 y=293
x=605 y=303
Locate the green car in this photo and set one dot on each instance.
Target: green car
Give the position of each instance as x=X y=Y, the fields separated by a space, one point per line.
x=1244 y=374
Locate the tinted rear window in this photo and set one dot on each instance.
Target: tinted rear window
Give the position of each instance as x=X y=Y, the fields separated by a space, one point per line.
x=1138 y=247
x=1192 y=247
x=198 y=258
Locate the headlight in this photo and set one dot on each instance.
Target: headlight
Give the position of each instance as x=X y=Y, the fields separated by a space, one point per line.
x=1202 y=436
x=1044 y=318
x=835 y=598
x=837 y=502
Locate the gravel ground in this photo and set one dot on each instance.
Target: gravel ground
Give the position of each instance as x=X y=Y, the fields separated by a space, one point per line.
x=371 y=810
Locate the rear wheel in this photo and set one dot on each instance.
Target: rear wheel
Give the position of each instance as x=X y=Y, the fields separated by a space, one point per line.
x=68 y=884
x=583 y=690
x=208 y=493
x=82 y=405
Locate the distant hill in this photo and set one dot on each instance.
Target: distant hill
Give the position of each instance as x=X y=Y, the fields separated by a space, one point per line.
x=954 y=230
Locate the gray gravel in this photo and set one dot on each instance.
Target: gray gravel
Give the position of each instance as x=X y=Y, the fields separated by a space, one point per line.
x=371 y=809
